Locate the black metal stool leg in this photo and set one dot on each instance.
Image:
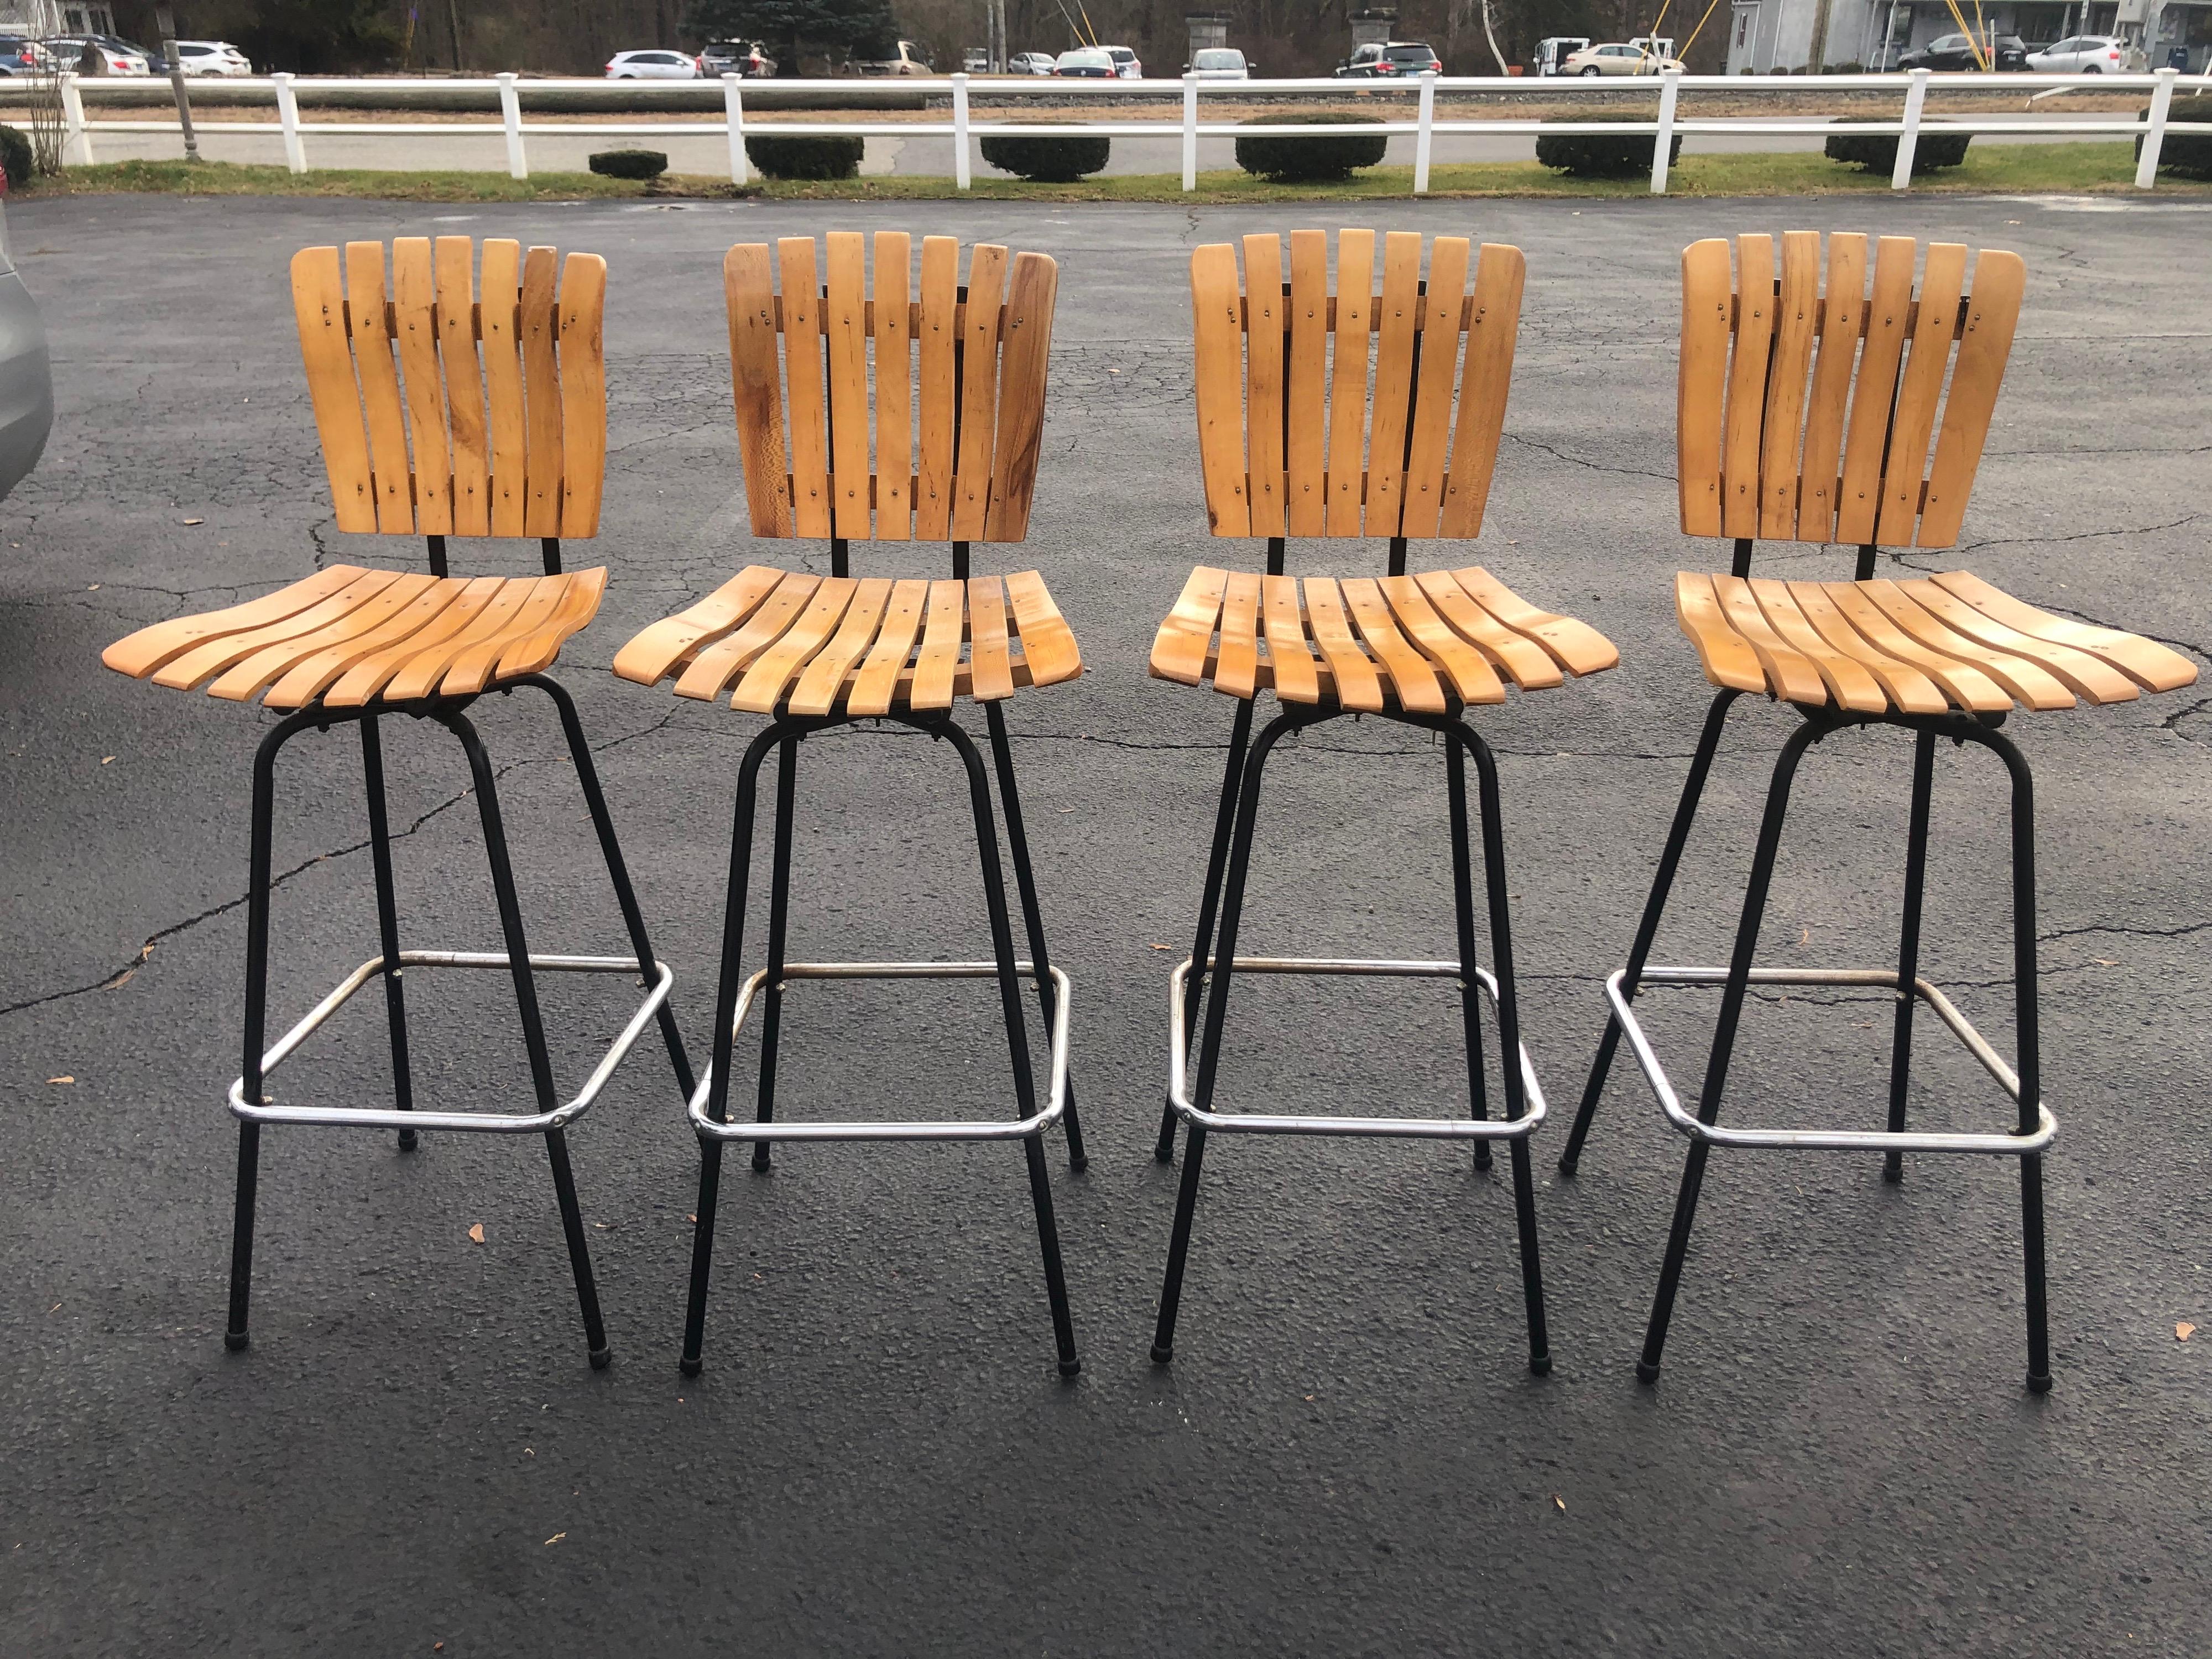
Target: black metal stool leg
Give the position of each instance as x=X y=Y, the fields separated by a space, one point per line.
x=1647 y=930
x=1908 y=949
x=1017 y=842
x=1217 y=1014
x=1470 y=996
x=1738 y=980
x=534 y=1026
x=387 y=922
x=779 y=915
x=1225 y=820
x=722 y=1052
x=1509 y=1041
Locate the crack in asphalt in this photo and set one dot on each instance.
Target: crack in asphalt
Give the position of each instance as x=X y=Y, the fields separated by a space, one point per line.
x=1594 y=466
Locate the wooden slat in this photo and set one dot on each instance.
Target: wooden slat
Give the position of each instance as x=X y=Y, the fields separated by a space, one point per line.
x=2029 y=682
x=2150 y=665
x=1791 y=676
x=938 y=656
x=802 y=373
x=875 y=685
x=1701 y=383
x=1531 y=666
x=1984 y=343
x=816 y=690
x=893 y=324
x=534 y=652
x=979 y=391
x=1394 y=381
x=1746 y=386
x=1185 y=639
x=938 y=333
x=1266 y=340
x=1305 y=441
x=1843 y=312
x=212 y=655
x=1357 y=685
x=1473 y=678
x=1025 y=357
x=319 y=304
x=302 y=674
x=380 y=389
x=1493 y=326
x=477 y=663
x=990 y=660
x=1580 y=648
x=1439 y=373
x=845 y=322
x=1906 y=466
x=426 y=663
x=500 y=310
x=757 y=386
x=1048 y=647
x=1727 y=657
x=1797 y=308
x=454 y=260
x=1218 y=369
x=1237 y=665
x=762 y=686
x=1411 y=676
x=1906 y=686
x=415 y=319
x=1347 y=395
x=1289 y=658
x=1966 y=686
x=583 y=392
x=1849 y=681
x=1859 y=496
x=2084 y=675
x=721 y=662
x=154 y=647
x=657 y=650
x=542 y=436
x=366 y=677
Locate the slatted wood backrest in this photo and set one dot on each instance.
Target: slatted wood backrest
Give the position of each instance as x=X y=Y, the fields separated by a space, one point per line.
x=958 y=374
x=1292 y=441
x=445 y=414
x=1806 y=411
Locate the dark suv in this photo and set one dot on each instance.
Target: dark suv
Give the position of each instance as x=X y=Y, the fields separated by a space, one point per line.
x=1396 y=58
x=20 y=55
x=745 y=58
x=1956 y=52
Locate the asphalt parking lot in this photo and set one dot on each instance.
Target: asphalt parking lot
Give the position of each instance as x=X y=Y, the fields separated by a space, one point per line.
x=1348 y=1455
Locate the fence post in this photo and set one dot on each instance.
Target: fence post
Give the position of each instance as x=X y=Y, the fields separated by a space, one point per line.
x=77 y=143
x=510 y=112
x=1662 y=147
x=1190 y=130
x=960 y=174
x=734 y=113
x=1422 y=137
x=2154 y=138
x=287 y=117
x=1900 y=176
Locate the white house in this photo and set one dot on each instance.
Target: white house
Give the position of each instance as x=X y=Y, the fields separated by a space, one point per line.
x=42 y=19
x=1807 y=36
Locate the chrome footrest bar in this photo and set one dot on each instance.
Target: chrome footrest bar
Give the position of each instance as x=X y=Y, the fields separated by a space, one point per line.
x=471 y=1122
x=784 y=1129
x=1409 y=1128
x=2012 y=1145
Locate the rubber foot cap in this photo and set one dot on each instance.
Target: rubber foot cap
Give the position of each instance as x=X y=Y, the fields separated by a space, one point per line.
x=759 y=1159
x=1539 y=1365
x=1568 y=1166
x=236 y=1341
x=1162 y=1353
x=1646 y=1372
x=1071 y=1367
x=601 y=1359
x=1164 y=1152
x=1078 y=1165
x=407 y=1142
x=1482 y=1158
x=2038 y=1384
x=689 y=1367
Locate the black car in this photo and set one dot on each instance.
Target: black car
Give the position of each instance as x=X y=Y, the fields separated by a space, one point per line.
x=20 y=55
x=1396 y=58
x=1956 y=52
x=745 y=57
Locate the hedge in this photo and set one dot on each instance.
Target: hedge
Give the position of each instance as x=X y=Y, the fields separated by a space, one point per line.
x=1877 y=152
x=1048 y=160
x=2189 y=154
x=1601 y=155
x=835 y=157
x=15 y=156
x=1311 y=161
x=648 y=164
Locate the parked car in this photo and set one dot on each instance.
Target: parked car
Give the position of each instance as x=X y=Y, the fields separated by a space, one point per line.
x=212 y=57
x=1125 y=62
x=99 y=54
x=1219 y=63
x=2080 y=54
x=20 y=55
x=1390 y=58
x=906 y=58
x=1086 y=62
x=746 y=58
x=27 y=378
x=1616 y=57
x=1956 y=52
x=653 y=65
x=1030 y=63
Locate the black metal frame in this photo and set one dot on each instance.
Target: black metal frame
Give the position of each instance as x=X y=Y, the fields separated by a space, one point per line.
x=784 y=733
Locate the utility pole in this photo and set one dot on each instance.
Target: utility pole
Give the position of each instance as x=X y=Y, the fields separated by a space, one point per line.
x=165 y=23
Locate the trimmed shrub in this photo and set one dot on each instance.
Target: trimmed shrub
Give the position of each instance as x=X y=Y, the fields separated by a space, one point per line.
x=647 y=164
x=2188 y=154
x=1048 y=160
x=1877 y=152
x=835 y=157
x=1311 y=161
x=15 y=156
x=1600 y=156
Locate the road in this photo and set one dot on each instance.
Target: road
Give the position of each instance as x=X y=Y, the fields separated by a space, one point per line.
x=1348 y=1455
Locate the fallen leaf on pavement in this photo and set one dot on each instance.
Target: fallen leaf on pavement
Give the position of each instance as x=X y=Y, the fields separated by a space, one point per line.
x=2184 y=1331
x=1560 y=1501
x=475 y=1233
x=556 y=1537
x=65 y=1077
x=107 y=760
x=196 y=521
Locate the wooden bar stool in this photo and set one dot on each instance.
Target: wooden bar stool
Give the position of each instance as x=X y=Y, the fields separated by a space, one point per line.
x=1293 y=445
x=441 y=414
x=1807 y=415
x=958 y=407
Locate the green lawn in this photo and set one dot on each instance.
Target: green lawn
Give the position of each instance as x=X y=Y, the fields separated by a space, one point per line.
x=2003 y=169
